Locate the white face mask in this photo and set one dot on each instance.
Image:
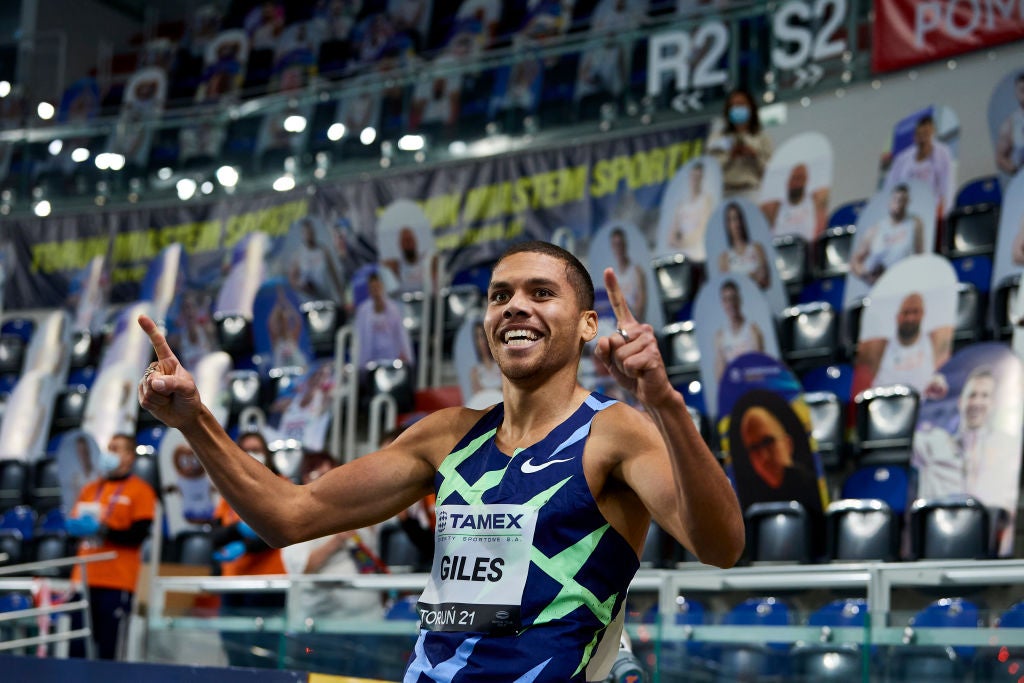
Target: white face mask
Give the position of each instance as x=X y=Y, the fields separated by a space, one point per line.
x=109 y=462
x=258 y=457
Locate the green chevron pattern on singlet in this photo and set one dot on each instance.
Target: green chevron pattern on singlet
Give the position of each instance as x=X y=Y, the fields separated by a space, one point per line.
x=563 y=567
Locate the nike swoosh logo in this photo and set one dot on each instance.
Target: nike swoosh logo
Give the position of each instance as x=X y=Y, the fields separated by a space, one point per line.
x=530 y=468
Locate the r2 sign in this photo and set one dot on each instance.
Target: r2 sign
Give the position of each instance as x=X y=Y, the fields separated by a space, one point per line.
x=796 y=40
x=670 y=54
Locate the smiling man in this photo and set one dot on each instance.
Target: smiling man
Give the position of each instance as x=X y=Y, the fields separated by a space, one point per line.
x=543 y=501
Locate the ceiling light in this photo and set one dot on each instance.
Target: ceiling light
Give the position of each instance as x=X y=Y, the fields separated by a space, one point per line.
x=336 y=132
x=227 y=176
x=45 y=111
x=295 y=123
x=79 y=154
x=368 y=135
x=284 y=183
x=186 y=188
x=410 y=143
x=42 y=208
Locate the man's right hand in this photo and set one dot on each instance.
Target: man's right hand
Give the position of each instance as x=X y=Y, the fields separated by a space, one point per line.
x=168 y=392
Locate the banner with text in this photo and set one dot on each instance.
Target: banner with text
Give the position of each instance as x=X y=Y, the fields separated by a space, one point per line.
x=475 y=210
x=909 y=32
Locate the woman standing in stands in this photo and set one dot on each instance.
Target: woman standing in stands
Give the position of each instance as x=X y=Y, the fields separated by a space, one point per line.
x=742 y=147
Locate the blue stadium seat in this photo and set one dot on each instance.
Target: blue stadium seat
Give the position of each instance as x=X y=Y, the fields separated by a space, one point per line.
x=834 y=663
x=983 y=190
x=12 y=547
x=970 y=315
x=12 y=354
x=751 y=662
x=403 y=609
x=147 y=468
x=934 y=663
x=150 y=436
x=53 y=545
x=889 y=483
x=194 y=547
x=832 y=251
x=861 y=529
x=22 y=519
x=69 y=408
x=322 y=320
x=19 y=327
x=846 y=214
x=977 y=270
x=836 y=378
x=51 y=520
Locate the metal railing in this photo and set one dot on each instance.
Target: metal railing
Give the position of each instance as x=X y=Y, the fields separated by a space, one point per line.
x=68 y=608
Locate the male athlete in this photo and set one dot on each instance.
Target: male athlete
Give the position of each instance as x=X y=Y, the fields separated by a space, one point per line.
x=543 y=501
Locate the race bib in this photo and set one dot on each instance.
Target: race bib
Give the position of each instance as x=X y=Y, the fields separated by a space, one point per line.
x=481 y=560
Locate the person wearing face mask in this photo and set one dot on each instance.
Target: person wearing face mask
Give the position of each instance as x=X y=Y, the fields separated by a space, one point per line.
x=240 y=552
x=741 y=147
x=114 y=512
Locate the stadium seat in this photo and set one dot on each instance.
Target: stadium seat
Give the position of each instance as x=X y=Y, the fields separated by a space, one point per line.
x=243 y=388
x=861 y=529
x=983 y=190
x=45 y=492
x=85 y=350
x=1004 y=296
x=791 y=261
x=395 y=379
x=836 y=378
x=936 y=662
x=147 y=468
x=19 y=327
x=832 y=252
x=969 y=316
x=322 y=322
x=459 y=302
x=12 y=354
x=51 y=520
x=754 y=662
x=808 y=335
x=287 y=457
x=234 y=335
x=680 y=350
x=889 y=483
x=777 y=532
x=194 y=547
x=69 y=409
x=53 y=545
x=14 y=483
x=849 y=327
x=846 y=214
x=12 y=548
x=828 y=425
x=396 y=549
x=950 y=528
x=971 y=230
x=20 y=518
x=676 y=283
x=885 y=418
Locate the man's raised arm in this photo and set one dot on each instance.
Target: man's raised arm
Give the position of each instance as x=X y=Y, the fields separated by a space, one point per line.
x=355 y=495
x=696 y=502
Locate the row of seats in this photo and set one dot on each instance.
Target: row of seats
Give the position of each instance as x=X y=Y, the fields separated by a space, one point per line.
x=828 y=660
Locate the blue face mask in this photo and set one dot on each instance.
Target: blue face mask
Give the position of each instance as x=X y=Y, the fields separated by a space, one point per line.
x=739 y=114
x=109 y=462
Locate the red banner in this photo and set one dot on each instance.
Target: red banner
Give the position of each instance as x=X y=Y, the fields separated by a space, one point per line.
x=909 y=32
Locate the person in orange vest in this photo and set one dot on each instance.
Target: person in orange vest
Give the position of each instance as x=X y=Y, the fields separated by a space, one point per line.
x=113 y=513
x=241 y=552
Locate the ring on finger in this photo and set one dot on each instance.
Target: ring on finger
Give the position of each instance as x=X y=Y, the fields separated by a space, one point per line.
x=622 y=333
x=149 y=371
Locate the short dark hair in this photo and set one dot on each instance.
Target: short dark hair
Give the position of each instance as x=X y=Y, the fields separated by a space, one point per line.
x=729 y=284
x=925 y=120
x=901 y=187
x=577 y=275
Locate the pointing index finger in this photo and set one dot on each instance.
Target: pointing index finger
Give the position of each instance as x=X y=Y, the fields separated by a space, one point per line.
x=623 y=315
x=160 y=345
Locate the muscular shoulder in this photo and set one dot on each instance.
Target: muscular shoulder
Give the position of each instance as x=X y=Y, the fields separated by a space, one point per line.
x=433 y=437
x=621 y=431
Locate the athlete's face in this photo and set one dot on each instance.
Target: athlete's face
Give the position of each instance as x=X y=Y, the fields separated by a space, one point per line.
x=768 y=446
x=797 y=183
x=909 y=317
x=534 y=322
x=976 y=401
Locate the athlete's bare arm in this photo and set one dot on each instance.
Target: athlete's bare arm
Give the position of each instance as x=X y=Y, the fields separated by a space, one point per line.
x=365 y=491
x=657 y=459
x=860 y=255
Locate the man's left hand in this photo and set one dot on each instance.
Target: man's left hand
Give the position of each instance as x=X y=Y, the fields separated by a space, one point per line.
x=631 y=355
